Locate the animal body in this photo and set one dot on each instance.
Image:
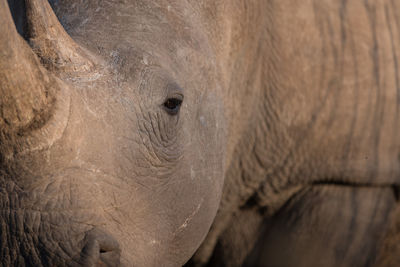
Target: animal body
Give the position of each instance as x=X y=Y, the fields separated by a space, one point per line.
x=153 y=133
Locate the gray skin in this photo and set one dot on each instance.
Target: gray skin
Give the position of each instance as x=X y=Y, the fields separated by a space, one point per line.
x=288 y=127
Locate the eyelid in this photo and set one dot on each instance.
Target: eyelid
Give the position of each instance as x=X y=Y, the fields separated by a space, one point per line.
x=178 y=96
x=174 y=91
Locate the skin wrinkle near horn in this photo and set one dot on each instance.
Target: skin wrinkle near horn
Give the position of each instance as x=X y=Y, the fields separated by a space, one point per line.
x=52 y=131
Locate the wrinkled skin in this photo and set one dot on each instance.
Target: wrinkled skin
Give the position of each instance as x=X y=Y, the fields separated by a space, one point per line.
x=288 y=126
x=117 y=161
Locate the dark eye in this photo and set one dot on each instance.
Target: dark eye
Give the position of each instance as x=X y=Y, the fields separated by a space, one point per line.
x=172 y=105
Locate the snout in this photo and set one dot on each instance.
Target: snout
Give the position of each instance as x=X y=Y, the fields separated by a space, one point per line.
x=100 y=249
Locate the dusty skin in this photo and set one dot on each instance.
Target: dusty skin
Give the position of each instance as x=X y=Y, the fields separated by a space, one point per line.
x=205 y=133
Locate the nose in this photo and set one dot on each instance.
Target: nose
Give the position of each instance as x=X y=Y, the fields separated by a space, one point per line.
x=100 y=249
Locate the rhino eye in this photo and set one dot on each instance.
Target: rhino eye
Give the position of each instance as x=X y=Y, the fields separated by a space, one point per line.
x=172 y=105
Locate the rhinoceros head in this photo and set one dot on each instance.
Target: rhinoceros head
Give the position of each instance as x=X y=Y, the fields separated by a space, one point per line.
x=112 y=148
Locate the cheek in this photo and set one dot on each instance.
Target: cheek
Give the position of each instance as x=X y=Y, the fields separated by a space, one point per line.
x=163 y=213
x=164 y=224
x=202 y=170
x=207 y=145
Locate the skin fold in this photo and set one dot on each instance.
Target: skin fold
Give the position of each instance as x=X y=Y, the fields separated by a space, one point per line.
x=223 y=133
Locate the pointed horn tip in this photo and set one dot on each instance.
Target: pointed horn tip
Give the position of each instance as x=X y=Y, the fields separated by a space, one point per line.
x=57 y=50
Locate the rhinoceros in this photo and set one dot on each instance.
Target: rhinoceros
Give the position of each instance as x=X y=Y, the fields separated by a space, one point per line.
x=219 y=132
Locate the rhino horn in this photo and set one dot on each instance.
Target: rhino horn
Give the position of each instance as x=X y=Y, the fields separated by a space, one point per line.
x=27 y=90
x=56 y=49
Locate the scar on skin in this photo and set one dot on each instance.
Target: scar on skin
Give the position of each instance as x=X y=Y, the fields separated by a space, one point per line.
x=155 y=242
x=188 y=219
x=192 y=173
x=202 y=120
x=145 y=60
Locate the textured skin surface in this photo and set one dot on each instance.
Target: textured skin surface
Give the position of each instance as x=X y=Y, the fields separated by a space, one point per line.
x=329 y=116
x=288 y=127
x=389 y=253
